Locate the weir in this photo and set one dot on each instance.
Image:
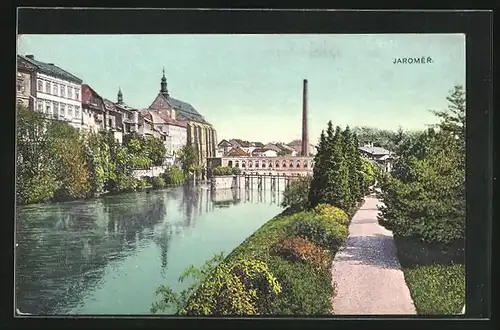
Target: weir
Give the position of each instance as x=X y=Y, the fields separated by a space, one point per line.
x=251 y=181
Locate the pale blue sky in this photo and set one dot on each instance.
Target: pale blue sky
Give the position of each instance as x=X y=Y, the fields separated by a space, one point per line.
x=250 y=86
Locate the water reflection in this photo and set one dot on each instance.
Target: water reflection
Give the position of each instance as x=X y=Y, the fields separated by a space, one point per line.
x=65 y=251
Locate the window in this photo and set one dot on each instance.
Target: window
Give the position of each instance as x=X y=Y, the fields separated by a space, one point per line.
x=70 y=111
x=48 y=107
x=55 y=89
x=56 y=108
x=62 y=109
x=110 y=122
x=39 y=105
x=47 y=87
x=63 y=90
x=70 y=92
x=77 y=94
x=39 y=85
x=77 y=111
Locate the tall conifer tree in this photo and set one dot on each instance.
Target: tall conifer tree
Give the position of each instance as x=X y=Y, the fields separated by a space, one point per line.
x=350 y=151
x=318 y=181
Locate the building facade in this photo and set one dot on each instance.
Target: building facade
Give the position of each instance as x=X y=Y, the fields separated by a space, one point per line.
x=26 y=83
x=93 y=110
x=58 y=92
x=200 y=133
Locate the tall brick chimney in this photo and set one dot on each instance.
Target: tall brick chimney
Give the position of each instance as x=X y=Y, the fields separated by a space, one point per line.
x=305 y=133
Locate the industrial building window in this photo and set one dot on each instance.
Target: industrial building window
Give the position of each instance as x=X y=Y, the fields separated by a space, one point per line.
x=39 y=85
x=63 y=90
x=55 y=89
x=47 y=87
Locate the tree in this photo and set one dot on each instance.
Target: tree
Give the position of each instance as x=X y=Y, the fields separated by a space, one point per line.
x=188 y=158
x=35 y=169
x=351 y=154
x=155 y=150
x=319 y=179
x=296 y=194
x=338 y=174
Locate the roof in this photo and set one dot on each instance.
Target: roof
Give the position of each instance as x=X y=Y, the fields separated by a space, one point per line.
x=53 y=70
x=86 y=97
x=224 y=143
x=160 y=117
x=273 y=147
x=375 y=150
x=261 y=150
x=185 y=111
x=237 y=152
x=109 y=105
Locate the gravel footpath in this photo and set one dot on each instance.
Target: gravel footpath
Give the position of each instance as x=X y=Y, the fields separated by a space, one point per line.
x=367 y=273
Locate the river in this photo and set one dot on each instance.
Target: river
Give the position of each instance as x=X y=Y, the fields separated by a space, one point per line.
x=107 y=256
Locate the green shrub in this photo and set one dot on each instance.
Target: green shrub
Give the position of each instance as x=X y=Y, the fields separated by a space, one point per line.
x=141 y=184
x=236 y=170
x=174 y=176
x=334 y=213
x=241 y=287
x=304 y=289
x=158 y=182
x=300 y=249
x=437 y=289
x=222 y=170
x=321 y=230
x=296 y=194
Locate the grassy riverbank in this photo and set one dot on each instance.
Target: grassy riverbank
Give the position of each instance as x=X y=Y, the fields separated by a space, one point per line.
x=435 y=275
x=282 y=269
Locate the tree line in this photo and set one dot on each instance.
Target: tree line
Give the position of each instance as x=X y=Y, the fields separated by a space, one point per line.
x=56 y=162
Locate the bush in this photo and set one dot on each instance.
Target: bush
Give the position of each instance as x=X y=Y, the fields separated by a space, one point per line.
x=174 y=176
x=300 y=249
x=236 y=170
x=334 y=213
x=304 y=290
x=158 y=182
x=242 y=287
x=437 y=289
x=141 y=184
x=222 y=170
x=322 y=231
x=296 y=194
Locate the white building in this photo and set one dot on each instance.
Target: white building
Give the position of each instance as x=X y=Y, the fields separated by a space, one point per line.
x=264 y=152
x=58 y=92
x=175 y=131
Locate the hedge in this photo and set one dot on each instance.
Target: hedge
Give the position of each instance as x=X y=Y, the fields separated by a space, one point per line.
x=290 y=274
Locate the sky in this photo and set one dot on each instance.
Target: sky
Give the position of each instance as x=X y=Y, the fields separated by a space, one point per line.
x=250 y=86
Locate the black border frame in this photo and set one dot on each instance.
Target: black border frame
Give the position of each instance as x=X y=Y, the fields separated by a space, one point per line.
x=479 y=64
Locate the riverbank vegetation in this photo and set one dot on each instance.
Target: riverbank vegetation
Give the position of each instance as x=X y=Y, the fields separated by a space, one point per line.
x=284 y=267
x=225 y=170
x=424 y=199
x=56 y=162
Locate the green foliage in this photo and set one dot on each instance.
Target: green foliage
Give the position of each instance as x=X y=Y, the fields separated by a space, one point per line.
x=296 y=194
x=171 y=300
x=188 y=158
x=368 y=175
x=300 y=249
x=155 y=150
x=144 y=151
x=141 y=184
x=174 y=176
x=222 y=170
x=351 y=153
x=333 y=213
x=425 y=195
x=236 y=170
x=437 y=289
x=240 y=287
x=158 y=182
x=321 y=230
x=35 y=167
x=330 y=182
x=305 y=290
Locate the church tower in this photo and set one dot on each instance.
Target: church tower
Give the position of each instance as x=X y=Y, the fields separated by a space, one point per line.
x=120 y=96
x=163 y=88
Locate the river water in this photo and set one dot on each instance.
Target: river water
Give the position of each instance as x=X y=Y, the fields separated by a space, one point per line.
x=109 y=255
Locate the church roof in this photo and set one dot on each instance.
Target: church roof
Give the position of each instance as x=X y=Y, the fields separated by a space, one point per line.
x=185 y=110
